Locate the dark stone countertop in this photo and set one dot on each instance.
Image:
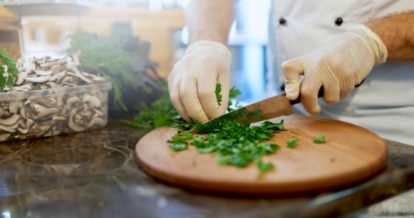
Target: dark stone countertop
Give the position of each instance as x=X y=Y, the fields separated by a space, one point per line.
x=94 y=174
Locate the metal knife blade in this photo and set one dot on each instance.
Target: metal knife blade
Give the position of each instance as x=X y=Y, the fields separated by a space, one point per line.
x=275 y=106
x=272 y=107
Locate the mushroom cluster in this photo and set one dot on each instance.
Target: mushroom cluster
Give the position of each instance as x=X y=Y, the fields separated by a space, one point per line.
x=51 y=97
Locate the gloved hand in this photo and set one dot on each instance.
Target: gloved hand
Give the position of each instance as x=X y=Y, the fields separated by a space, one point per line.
x=192 y=82
x=338 y=67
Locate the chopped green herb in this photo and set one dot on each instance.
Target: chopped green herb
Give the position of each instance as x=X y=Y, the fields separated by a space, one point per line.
x=186 y=135
x=292 y=143
x=177 y=143
x=319 y=139
x=234 y=93
x=178 y=146
x=219 y=97
x=264 y=167
x=206 y=150
x=270 y=148
x=233 y=143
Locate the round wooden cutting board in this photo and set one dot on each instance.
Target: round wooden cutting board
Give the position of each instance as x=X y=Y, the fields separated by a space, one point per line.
x=350 y=155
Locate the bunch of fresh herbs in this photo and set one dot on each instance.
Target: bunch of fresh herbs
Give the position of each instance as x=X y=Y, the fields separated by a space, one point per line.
x=122 y=59
x=162 y=113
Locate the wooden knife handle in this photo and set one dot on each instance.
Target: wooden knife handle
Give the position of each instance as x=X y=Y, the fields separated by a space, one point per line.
x=320 y=94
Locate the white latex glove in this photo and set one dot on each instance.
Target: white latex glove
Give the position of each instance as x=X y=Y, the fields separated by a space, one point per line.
x=338 y=67
x=192 y=82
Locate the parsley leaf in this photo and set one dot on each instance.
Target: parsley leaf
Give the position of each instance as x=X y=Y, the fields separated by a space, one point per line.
x=177 y=143
x=232 y=95
x=264 y=167
x=234 y=143
x=186 y=135
x=234 y=92
x=219 y=97
x=160 y=113
x=319 y=139
x=292 y=143
x=178 y=146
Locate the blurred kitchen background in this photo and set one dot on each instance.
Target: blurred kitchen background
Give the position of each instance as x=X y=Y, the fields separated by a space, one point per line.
x=38 y=28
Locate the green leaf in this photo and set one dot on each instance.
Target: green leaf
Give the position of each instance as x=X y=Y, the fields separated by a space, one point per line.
x=178 y=146
x=274 y=126
x=177 y=143
x=264 y=167
x=292 y=143
x=118 y=95
x=234 y=93
x=270 y=148
x=177 y=139
x=115 y=56
x=206 y=150
x=239 y=160
x=319 y=139
x=186 y=135
x=219 y=97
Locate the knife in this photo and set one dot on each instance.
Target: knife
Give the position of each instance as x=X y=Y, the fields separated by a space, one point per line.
x=275 y=106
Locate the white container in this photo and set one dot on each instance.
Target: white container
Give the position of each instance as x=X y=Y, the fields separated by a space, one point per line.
x=49 y=112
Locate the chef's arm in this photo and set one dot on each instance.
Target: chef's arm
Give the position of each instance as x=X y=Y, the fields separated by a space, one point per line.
x=207 y=61
x=397 y=33
x=210 y=20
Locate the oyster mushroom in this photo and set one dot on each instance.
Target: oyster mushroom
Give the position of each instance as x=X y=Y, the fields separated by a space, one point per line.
x=43 y=72
x=45 y=101
x=10 y=124
x=40 y=111
x=25 y=126
x=72 y=100
x=25 y=87
x=15 y=106
x=38 y=79
x=4 y=136
x=97 y=121
x=4 y=112
x=39 y=129
x=70 y=81
x=58 y=76
x=76 y=123
x=98 y=113
x=79 y=75
x=20 y=77
x=93 y=101
x=85 y=112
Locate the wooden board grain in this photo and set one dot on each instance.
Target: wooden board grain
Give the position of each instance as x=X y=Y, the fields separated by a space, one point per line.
x=351 y=154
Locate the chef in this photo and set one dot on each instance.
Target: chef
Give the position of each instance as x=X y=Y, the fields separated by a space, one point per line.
x=333 y=45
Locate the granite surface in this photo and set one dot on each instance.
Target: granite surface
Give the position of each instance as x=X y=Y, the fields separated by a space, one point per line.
x=94 y=174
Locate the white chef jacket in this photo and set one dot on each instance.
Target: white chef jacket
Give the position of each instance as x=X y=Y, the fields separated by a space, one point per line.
x=384 y=103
